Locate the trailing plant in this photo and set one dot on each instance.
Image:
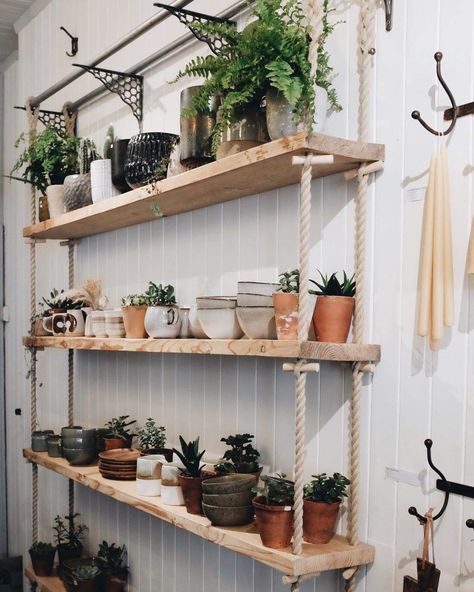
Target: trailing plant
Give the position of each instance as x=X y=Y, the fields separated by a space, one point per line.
x=333 y=287
x=117 y=427
x=41 y=549
x=135 y=300
x=326 y=489
x=272 y=51
x=67 y=532
x=112 y=558
x=58 y=300
x=190 y=457
x=289 y=282
x=242 y=456
x=151 y=436
x=160 y=295
x=276 y=491
x=86 y=572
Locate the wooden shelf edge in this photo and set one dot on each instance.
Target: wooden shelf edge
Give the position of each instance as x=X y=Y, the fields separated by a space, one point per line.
x=338 y=554
x=312 y=350
x=50 y=584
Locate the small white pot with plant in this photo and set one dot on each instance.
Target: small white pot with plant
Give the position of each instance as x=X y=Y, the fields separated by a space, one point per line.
x=162 y=318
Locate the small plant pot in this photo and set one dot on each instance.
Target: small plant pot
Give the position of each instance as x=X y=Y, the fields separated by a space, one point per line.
x=275 y=524
x=319 y=521
x=286 y=315
x=113 y=443
x=332 y=318
x=134 y=321
x=192 y=493
x=163 y=322
x=65 y=553
x=55 y=195
x=115 y=582
x=43 y=565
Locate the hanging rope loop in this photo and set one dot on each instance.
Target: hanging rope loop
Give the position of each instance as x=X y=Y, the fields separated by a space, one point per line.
x=69 y=118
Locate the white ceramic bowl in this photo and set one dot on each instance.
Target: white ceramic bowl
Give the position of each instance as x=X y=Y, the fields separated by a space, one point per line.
x=216 y=302
x=257 y=322
x=220 y=323
x=254 y=300
x=172 y=495
x=149 y=487
x=194 y=324
x=262 y=288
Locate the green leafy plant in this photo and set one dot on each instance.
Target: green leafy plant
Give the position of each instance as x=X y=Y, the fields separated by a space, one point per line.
x=86 y=572
x=289 y=282
x=47 y=160
x=272 y=51
x=41 y=549
x=57 y=300
x=112 y=558
x=276 y=491
x=67 y=533
x=160 y=295
x=117 y=427
x=333 y=287
x=242 y=456
x=190 y=457
x=326 y=489
x=151 y=436
x=135 y=300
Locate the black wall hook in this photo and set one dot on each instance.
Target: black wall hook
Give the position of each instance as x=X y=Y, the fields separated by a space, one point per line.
x=74 y=42
x=388 y=14
x=438 y=56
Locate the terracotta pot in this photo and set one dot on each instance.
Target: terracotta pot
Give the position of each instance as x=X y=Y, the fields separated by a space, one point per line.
x=192 y=493
x=43 y=566
x=40 y=331
x=65 y=553
x=332 y=318
x=275 y=524
x=319 y=521
x=134 y=321
x=286 y=315
x=115 y=582
x=113 y=443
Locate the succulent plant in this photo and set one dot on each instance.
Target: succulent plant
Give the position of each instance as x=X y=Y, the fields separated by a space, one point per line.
x=86 y=572
x=160 y=295
x=326 y=489
x=112 y=557
x=190 y=457
x=333 y=287
x=41 y=549
x=57 y=300
x=289 y=282
x=135 y=300
x=117 y=427
x=276 y=491
x=151 y=436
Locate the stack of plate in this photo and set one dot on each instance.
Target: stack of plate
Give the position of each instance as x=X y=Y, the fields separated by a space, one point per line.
x=119 y=464
x=255 y=309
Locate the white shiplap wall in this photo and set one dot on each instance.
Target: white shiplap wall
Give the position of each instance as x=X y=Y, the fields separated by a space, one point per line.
x=414 y=394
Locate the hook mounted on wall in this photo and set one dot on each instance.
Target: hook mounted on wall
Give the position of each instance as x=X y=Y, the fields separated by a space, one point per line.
x=388 y=14
x=74 y=42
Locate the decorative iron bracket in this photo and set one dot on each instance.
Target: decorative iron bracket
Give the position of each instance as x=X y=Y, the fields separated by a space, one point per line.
x=52 y=118
x=189 y=17
x=129 y=87
x=74 y=42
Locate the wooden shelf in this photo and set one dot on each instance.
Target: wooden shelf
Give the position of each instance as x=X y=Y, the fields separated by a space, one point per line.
x=338 y=554
x=254 y=171
x=51 y=584
x=311 y=350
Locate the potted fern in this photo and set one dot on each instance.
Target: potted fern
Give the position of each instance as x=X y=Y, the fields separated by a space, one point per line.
x=112 y=559
x=68 y=536
x=118 y=435
x=86 y=578
x=162 y=318
x=285 y=302
x=334 y=307
x=191 y=476
x=152 y=439
x=322 y=501
x=274 y=511
x=42 y=558
x=134 y=308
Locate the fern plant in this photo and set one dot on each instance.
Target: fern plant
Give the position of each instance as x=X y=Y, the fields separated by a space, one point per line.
x=333 y=287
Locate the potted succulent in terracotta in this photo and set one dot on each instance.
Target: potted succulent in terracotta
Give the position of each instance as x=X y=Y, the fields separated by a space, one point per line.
x=334 y=308
x=191 y=476
x=118 y=435
x=134 y=309
x=152 y=440
x=242 y=456
x=274 y=511
x=68 y=536
x=162 y=318
x=113 y=558
x=322 y=500
x=86 y=578
x=285 y=302
x=42 y=558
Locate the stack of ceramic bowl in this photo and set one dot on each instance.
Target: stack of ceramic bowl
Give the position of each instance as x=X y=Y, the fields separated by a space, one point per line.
x=255 y=309
x=227 y=501
x=218 y=318
x=114 y=326
x=119 y=464
x=79 y=445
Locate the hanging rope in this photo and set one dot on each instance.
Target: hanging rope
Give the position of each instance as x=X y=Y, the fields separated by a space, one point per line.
x=69 y=119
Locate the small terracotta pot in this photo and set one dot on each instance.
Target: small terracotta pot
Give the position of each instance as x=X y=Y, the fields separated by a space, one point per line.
x=286 y=315
x=332 y=318
x=113 y=443
x=134 y=321
x=65 y=553
x=115 y=582
x=275 y=524
x=43 y=566
x=192 y=493
x=319 y=521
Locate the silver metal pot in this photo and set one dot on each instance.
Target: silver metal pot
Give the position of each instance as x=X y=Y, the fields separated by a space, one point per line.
x=249 y=131
x=195 y=131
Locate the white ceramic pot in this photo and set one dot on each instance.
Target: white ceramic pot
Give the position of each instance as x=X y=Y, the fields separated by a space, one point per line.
x=262 y=288
x=149 y=475
x=194 y=324
x=88 y=321
x=98 y=323
x=65 y=324
x=220 y=323
x=172 y=495
x=114 y=326
x=148 y=487
x=101 y=180
x=55 y=195
x=163 y=322
x=257 y=322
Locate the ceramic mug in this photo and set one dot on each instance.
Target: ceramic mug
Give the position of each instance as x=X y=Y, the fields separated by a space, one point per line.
x=70 y=323
x=98 y=323
x=114 y=326
x=149 y=475
x=163 y=322
x=86 y=311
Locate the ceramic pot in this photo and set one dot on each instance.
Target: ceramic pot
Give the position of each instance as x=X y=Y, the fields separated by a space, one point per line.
x=286 y=315
x=77 y=191
x=53 y=444
x=192 y=493
x=134 y=321
x=65 y=553
x=39 y=440
x=163 y=322
x=332 y=318
x=119 y=159
x=43 y=209
x=148 y=157
x=319 y=521
x=279 y=114
x=80 y=456
x=228 y=500
x=43 y=565
x=40 y=331
x=275 y=524
x=172 y=495
x=257 y=322
x=248 y=132
x=55 y=195
x=114 y=326
x=98 y=323
x=74 y=432
x=115 y=582
x=101 y=180
x=194 y=325
x=149 y=475
x=195 y=131
x=69 y=324
x=234 y=483
x=220 y=323
x=114 y=443
x=228 y=516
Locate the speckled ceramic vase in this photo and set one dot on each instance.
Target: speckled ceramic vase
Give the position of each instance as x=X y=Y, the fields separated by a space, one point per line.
x=77 y=192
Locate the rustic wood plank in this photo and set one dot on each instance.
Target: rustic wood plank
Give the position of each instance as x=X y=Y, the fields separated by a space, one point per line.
x=51 y=584
x=338 y=554
x=313 y=350
x=257 y=170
